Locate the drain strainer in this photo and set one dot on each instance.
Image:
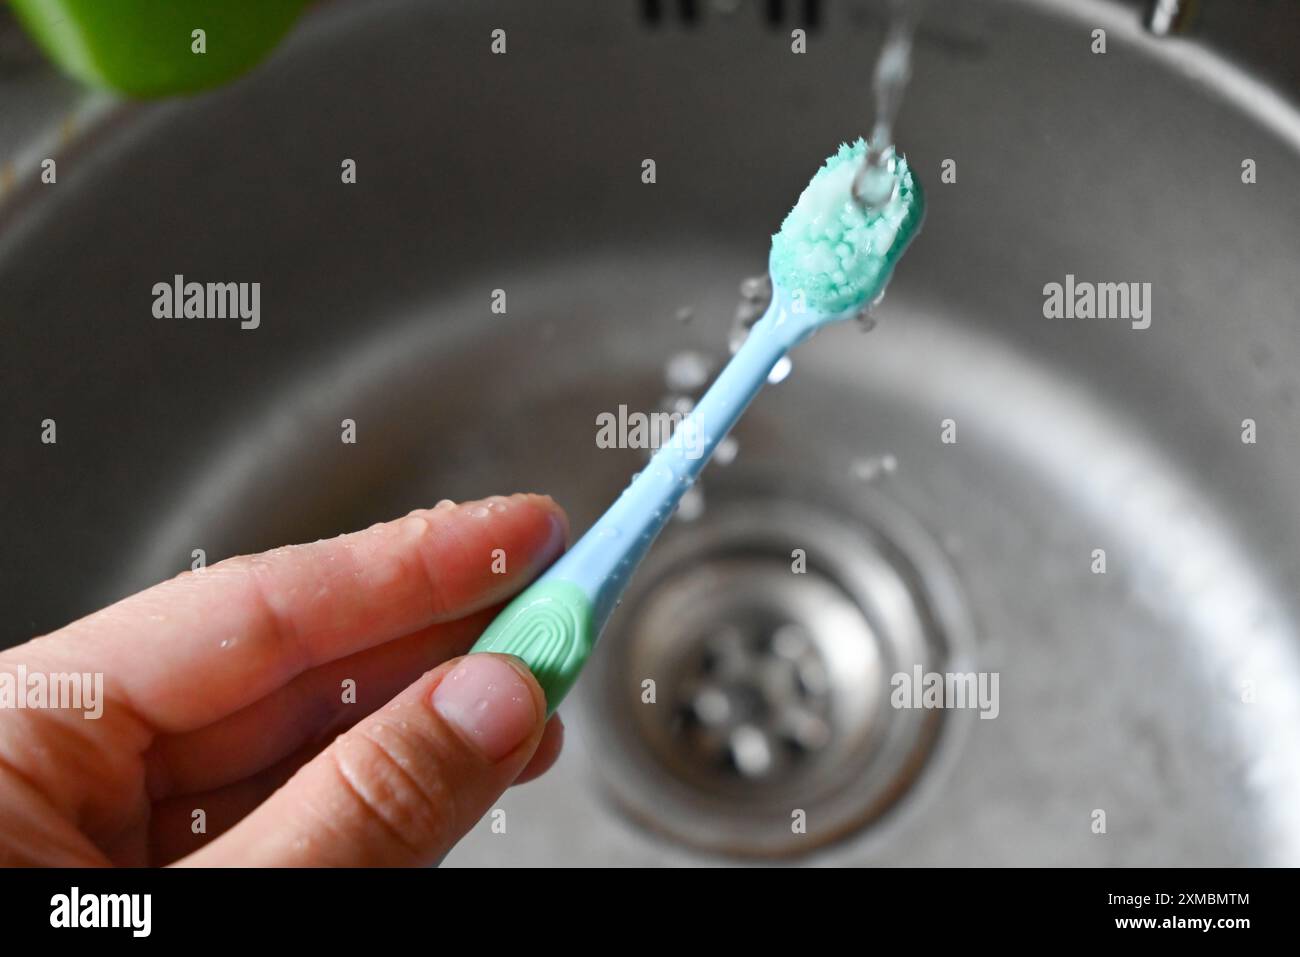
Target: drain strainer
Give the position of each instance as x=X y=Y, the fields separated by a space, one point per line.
x=741 y=693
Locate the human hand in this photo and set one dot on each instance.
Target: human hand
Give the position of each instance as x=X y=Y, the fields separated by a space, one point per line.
x=224 y=691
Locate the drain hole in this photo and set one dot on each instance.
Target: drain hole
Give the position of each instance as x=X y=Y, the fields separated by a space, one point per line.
x=772 y=688
x=752 y=700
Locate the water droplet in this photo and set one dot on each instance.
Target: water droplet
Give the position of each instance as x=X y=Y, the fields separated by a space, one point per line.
x=726 y=451
x=687 y=371
x=756 y=287
x=780 y=370
x=414 y=526
x=691 y=506
x=869 y=469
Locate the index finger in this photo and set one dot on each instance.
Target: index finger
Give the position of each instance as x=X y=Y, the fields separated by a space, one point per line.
x=206 y=643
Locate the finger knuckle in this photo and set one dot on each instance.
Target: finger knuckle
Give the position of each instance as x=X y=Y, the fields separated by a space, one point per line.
x=395 y=788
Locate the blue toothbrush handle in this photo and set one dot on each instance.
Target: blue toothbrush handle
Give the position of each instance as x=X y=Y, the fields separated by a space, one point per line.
x=604 y=559
x=554 y=623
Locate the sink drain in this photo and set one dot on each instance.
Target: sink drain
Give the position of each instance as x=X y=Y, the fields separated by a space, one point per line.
x=741 y=694
x=755 y=699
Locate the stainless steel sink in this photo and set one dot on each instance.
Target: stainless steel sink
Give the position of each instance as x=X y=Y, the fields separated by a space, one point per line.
x=1164 y=692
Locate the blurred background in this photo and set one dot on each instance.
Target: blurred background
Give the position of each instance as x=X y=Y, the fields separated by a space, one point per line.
x=950 y=477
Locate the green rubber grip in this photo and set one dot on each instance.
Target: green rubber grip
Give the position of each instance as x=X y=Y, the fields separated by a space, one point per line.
x=550 y=626
x=147 y=47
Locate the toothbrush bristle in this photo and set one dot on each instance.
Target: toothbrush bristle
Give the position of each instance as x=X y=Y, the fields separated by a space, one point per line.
x=836 y=253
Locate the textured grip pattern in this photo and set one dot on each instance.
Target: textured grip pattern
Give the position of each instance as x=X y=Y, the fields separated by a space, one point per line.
x=549 y=626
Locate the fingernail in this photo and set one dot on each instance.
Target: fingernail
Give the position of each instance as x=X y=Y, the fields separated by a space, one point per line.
x=561 y=538
x=488 y=703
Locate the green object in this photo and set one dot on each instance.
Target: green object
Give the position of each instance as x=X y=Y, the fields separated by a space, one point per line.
x=149 y=47
x=550 y=626
x=834 y=250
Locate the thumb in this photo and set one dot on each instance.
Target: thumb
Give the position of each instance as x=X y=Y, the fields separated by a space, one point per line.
x=404 y=785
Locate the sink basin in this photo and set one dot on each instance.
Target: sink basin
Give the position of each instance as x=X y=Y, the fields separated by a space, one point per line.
x=1067 y=504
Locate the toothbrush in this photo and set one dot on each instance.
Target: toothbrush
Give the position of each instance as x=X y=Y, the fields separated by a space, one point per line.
x=830 y=260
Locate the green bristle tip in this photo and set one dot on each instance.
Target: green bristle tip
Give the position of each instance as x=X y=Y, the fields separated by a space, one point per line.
x=834 y=252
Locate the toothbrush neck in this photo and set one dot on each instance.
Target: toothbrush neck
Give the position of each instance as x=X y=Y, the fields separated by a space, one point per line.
x=603 y=559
